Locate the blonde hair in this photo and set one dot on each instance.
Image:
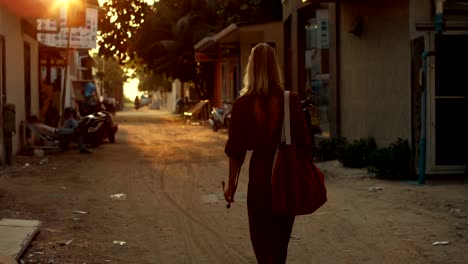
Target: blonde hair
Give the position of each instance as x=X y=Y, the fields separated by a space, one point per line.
x=262 y=71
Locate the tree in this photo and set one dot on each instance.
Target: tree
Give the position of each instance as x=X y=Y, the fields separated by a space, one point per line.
x=111 y=74
x=118 y=22
x=161 y=44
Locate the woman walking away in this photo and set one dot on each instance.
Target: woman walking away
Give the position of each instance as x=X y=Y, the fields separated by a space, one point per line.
x=256 y=124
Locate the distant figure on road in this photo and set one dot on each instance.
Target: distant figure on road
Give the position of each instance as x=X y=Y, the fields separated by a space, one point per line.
x=136 y=102
x=256 y=124
x=180 y=105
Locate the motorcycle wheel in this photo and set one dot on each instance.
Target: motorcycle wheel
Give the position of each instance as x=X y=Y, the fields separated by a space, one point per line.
x=111 y=136
x=95 y=139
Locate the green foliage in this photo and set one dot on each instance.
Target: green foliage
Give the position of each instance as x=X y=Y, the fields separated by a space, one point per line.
x=110 y=72
x=356 y=154
x=331 y=149
x=393 y=161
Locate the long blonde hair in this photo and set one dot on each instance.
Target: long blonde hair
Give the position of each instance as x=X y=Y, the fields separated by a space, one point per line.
x=262 y=71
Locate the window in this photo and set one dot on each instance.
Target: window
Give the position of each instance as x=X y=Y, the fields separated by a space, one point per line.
x=316 y=69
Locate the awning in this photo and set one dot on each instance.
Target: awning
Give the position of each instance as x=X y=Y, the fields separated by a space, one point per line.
x=30 y=8
x=230 y=34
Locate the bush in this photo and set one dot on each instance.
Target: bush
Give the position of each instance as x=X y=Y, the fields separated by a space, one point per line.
x=393 y=161
x=356 y=154
x=331 y=149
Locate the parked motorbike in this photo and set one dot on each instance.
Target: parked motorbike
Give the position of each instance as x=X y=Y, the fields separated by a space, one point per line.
x=98 y=127
x=220 y=117
x=308 y=109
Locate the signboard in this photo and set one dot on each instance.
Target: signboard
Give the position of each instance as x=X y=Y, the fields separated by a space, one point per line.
x=76 y=13
x=80 y=37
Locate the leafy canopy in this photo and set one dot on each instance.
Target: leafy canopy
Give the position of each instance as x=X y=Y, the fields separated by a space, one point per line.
x=159 y=39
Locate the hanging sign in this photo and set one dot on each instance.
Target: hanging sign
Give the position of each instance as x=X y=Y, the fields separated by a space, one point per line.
x=80 y=37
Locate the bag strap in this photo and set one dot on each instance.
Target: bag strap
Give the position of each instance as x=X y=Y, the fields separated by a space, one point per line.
x=286 y=133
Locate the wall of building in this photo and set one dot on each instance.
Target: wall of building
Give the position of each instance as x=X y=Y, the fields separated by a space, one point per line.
x=375 y=81
x=268 y=32
x=34 y=74
x=419 y=11
x=10 y=28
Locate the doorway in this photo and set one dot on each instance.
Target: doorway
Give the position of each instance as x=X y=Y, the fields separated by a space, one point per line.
x=2 y=98
x=27 y=79
x=449 y=104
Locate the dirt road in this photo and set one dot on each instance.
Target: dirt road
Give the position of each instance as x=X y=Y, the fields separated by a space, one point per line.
x=174 y=211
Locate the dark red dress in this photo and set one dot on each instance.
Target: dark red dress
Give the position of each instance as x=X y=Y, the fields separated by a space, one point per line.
x=256 y=124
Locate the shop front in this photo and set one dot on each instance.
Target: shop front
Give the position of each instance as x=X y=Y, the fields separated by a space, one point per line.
x=310 y=61
x=362 y=64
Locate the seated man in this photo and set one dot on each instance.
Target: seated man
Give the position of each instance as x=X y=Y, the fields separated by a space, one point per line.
x=66 y=131
x=69 y=128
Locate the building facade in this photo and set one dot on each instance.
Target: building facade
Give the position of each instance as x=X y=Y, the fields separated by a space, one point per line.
x=19 y=70
x=369 y=74
x=225 y=55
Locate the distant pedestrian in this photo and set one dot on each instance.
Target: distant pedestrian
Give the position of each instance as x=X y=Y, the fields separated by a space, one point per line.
x=136 y=102
x=180 y=105
x=256 y=124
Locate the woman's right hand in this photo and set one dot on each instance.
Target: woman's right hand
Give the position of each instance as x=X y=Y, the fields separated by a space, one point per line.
x=229 y=193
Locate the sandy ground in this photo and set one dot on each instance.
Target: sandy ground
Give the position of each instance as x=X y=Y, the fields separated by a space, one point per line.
x=174 y=212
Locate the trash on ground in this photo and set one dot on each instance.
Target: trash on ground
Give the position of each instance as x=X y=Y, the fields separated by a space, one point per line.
x=295 y=238
x=26 y=164
x=44 y=161
x=38 y=153
x=437 y=243
x=118 y=196
x=321 y=213
x=52 y=230
x=80 y=212
x=38 y=252
x=118 y=242
x=67 y=243
x=374 y=189
x=455 y=210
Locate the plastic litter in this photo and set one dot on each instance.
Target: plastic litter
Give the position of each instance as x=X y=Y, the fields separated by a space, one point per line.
x=118 y=196
x=44 y=161
x=118 y=242
x=437 y=243
x=38 y=153
x=374 y=189
x=52 y=230
x=80 y=212
x=67 y=243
